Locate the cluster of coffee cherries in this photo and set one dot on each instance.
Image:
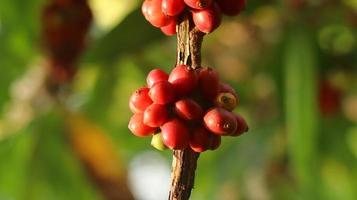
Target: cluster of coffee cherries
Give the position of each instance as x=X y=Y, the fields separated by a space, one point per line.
x=65 y=24
x=188 y=108
x=206 y=14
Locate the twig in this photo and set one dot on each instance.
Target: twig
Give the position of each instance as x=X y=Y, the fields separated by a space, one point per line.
x=184 y=162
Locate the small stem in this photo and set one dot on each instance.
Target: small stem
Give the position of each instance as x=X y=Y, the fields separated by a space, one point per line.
x=184 y=162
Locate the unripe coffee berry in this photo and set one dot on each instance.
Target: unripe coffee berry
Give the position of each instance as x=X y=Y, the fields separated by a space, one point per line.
x=208 y=80
x=183 y=79
x=198 y=4
x=156 y=142
x=156 y=115
x=172 y=7
x=162 y=93
x=155 y=76
x=175 y=134
x=208 y=19
x=137 y=126
x=226 y=100
x=220 y=121
x=152 y=12
x=140 y=100
x=188 y=109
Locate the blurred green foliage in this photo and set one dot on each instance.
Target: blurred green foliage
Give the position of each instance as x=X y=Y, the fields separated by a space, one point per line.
x=279 y=55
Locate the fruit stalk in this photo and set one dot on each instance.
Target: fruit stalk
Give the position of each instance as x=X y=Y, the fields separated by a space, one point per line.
x=184 y=162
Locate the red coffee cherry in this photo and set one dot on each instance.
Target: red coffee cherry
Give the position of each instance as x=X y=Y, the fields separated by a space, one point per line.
x=183 y=79
x=156 y=115
x=169 y=29
x=188 y=109
x=242 y=125
x=208 y=80
x=231 y=7
x=226 y=100
x=208 y=19
x=198 y=4
x=140 y=100
x=215 y=142
x=172 y=7
x=224 y=87
x=220 y=121
x=152 y=12
x=175 y=134
x=155 y=76
x=201 y=139
x=162 y=93
x=137 y=126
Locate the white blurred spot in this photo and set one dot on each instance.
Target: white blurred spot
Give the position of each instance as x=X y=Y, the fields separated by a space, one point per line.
x=149 y=176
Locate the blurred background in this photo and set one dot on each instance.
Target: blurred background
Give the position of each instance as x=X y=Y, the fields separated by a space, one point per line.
x=293 y=63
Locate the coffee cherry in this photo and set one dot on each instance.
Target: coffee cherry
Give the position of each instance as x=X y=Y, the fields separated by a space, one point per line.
x=172 y=7
x=226 y=100
x=201 y=139
x=183 y=79
x=188 y=109
x=220 y=121
x=198 y=4
x=215 y=142
x=175 y=134
x=231 y=7
x=169 y=29
x=156 y=115
x=208 y=19
x=242 y=125
x=155 y=76
x=137 y=126
x=224 y=87
x=162 y=93
x=152 y=12
x=208 y=80
x=156 y=142
x=140 y=100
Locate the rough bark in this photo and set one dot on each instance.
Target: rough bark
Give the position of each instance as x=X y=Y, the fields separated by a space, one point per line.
x=184 y=162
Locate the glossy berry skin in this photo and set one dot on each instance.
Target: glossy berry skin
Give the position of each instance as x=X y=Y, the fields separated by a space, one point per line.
x=172 y=7
x=157 y=143
x=215 y=142
x=220 y=121
x=208 y=19
x=198 y=4
x=188 y=109
x=242 y=125
x=224 y=87
x=162 y=93
x=202 y=140
x=208 y=80
x=152 y=12
x=140 y=100
x=226 y=100
x=155 y=76
x=137 y=126
x=183 y=79
x=156 y=115
x=175 y=134
x=169 y=29
x=231 y=7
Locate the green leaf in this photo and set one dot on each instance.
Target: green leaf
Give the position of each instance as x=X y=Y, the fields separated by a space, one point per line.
x=301 y=109
x=131 y=35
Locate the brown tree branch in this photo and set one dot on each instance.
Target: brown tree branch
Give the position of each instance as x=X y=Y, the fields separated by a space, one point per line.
x=184 y=162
